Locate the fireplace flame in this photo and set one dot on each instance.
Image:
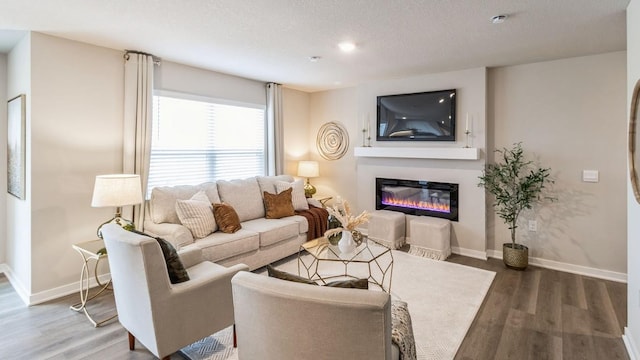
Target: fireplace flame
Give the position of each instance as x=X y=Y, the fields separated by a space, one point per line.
x=415 y=204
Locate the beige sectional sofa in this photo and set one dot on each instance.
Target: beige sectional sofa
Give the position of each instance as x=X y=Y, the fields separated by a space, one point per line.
x=259 y=242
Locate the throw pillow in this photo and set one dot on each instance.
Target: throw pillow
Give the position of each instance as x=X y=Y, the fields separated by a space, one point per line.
x=226 y=218
x=196 y=214
x=298 y=199
x=350 y=284
x=175 y=269
x=279 y=205
x=283 y=275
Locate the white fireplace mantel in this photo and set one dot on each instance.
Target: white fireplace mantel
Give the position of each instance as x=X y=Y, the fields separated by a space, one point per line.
x=449 y=153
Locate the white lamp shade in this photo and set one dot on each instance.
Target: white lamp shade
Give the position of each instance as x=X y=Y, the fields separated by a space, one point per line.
x=117 y=190
x=308 y=169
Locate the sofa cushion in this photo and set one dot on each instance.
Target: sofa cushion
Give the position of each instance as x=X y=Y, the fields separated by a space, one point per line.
x=272 y=231
x=268 y=183
x=245 y=197
x=219 y=246
x=297 y=195
x=226 y=218
x=197 y=215
x=211 y=189
x=302 y=222
x=162 y=204
x=277 y=206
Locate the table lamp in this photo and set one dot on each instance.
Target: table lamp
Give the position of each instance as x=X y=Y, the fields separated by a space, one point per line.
x=308 y=169
x=117 y=190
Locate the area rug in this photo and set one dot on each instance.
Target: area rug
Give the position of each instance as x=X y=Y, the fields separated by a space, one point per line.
x=443 y=300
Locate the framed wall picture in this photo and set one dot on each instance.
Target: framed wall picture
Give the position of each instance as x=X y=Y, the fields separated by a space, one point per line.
x=16 y=146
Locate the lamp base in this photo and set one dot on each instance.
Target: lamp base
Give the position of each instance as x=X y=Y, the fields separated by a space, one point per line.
x=124 y=223
x=309 y=189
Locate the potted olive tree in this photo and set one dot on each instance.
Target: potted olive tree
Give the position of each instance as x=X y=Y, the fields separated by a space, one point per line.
x=516 y=184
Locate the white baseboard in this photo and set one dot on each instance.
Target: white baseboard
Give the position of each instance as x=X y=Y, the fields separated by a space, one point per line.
x=570 y=268
x=470 y=253
x=16 y=284
x=64 y=290
x=632 y=349
x=50 y=294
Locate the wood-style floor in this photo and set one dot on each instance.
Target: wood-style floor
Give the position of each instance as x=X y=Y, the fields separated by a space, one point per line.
x=546 y=314
x=533 y=314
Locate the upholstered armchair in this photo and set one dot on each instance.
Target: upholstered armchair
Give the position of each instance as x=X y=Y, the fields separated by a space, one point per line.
x=278 y=319
x=166 y=317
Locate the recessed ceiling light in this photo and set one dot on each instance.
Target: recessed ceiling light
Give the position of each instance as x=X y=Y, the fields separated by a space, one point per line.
x=498 y=19
x=347 y=46
x=441 y=101
x=315 y=58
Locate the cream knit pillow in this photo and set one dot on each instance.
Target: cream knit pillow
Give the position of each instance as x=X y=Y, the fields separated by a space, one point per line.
x=297 y=195
x=197 y=215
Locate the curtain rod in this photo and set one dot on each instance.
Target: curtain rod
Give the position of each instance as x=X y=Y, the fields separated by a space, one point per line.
x=156 y=60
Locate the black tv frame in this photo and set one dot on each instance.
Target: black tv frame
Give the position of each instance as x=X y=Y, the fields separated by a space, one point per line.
x=452 y=111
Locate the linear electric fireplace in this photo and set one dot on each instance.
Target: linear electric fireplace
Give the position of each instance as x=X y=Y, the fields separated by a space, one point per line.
x=413 y=197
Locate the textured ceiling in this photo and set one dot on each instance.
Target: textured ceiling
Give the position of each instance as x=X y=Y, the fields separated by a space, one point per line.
x=272 y=40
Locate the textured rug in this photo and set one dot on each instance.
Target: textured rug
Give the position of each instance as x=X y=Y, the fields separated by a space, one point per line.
x=443 y=300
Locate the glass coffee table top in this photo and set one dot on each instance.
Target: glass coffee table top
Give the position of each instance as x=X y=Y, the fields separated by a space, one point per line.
x=320 y=261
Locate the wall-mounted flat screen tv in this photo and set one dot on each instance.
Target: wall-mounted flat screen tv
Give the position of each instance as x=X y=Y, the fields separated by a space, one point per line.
x=425 y=116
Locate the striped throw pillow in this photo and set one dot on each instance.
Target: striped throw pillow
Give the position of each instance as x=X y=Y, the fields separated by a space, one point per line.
x=297 y=195
x=197 y=215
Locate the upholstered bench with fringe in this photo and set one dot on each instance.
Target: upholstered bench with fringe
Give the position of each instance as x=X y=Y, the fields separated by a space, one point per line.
x=430 y=237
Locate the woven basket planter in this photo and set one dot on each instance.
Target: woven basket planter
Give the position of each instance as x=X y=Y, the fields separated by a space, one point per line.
x=515 y=256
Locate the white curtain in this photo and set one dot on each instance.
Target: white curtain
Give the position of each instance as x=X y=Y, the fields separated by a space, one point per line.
x=138 y=100
x=275 y=130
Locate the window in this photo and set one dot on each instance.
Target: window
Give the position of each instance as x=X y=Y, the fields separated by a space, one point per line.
x=195 y=141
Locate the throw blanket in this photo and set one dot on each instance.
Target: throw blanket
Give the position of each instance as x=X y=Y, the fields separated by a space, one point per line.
x=317 y=219
x=402 y=330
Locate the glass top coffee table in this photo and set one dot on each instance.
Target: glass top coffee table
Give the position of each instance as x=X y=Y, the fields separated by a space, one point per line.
x=320 y=261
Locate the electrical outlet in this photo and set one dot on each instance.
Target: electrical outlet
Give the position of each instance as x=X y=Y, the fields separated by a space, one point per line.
x=533 y=225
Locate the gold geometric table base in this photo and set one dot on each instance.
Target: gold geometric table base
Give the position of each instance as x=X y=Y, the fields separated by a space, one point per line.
x=377 y=262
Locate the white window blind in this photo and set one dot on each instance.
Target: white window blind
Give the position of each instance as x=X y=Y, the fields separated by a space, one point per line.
x=197 y=141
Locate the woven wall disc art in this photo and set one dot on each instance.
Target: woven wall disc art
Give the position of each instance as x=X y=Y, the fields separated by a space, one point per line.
x=332 y=141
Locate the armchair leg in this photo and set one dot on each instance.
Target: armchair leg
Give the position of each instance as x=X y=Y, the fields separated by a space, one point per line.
x=235 y=339
x=132 y=341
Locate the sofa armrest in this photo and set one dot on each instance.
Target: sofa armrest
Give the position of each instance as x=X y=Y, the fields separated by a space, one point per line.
x=178 y=235
x=314 y=202
x=190 y=256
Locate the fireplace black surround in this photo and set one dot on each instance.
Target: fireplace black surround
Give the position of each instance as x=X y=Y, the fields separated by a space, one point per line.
x=417 y=197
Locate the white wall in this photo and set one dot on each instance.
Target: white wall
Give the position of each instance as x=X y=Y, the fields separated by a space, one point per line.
x=632 y=332
x=295 y=112
x=3 y=155
x=19 y=211
x=354 y=178
x=569 y=114
x=337 y=177
x=76 y=134
x=186 y=79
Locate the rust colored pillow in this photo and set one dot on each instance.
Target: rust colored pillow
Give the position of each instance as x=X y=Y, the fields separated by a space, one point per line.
x=278 y=206
x=226 y=218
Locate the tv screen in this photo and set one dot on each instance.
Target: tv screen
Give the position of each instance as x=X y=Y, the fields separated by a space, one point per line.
x=425 y=116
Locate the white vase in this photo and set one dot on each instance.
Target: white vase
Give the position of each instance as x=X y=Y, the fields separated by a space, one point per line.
x=346 y=243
